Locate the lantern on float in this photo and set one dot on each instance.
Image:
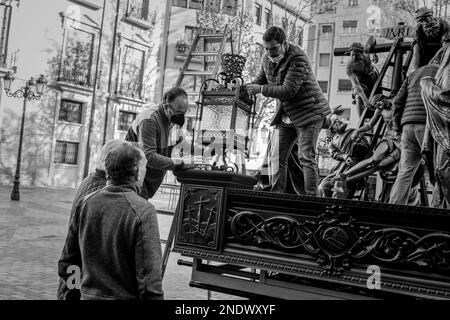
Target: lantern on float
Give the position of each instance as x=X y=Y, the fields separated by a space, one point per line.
x=226 y=112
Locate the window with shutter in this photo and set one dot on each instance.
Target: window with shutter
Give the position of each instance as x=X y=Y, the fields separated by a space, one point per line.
x=132 y=72
x=70 y=111
x=350 y=26
x=66 y=152
x=125 y=120
x=326 y=32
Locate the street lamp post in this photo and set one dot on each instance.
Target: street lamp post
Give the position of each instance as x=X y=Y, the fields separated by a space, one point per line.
x=33 y=90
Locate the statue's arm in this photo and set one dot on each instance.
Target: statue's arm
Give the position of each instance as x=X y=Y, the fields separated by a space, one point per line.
x=336 y=153
x=373 y=121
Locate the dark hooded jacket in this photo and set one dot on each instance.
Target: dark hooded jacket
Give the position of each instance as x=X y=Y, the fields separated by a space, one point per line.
x=293 y=83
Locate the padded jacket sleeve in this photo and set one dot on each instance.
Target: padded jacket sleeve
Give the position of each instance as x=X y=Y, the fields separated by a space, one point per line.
x=298 y=70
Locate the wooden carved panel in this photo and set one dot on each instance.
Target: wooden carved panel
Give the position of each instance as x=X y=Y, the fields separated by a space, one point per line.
x=337 y=241
x=200 y=221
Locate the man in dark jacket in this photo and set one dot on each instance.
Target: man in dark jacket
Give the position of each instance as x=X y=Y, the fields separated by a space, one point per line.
x=410 y=118
x=154 y=134
x=113 y=237
x=286 y=75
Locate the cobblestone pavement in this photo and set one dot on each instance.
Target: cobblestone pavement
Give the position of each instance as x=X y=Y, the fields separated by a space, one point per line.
x=32 y=234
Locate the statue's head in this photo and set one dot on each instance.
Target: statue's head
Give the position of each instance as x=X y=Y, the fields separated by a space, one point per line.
x=380 y=101
x=337 y=126
x=429 y=23
x=357 y=52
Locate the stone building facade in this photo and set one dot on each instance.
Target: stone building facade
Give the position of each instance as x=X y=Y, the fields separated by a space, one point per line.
x=101 y=59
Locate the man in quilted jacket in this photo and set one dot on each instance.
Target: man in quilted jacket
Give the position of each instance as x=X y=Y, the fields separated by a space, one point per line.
x=286 y=75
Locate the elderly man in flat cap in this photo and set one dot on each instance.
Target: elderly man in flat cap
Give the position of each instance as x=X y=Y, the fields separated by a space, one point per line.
x=430 y=33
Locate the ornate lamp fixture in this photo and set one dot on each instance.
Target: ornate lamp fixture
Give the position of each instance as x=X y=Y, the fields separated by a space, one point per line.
x=33 y=90
x=226 y=112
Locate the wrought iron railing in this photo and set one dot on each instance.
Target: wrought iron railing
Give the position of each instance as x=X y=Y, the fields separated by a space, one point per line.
x=132 y=89
x=71 y=72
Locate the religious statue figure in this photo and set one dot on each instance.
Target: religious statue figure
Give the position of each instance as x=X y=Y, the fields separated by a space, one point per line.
x=436 y=145
x=429 y=34
x=347 y=152
x=362 y=73
x=386 y=155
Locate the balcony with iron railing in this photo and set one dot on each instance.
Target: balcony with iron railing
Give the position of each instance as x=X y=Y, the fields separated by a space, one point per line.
x=71 y=73
x=138 y=14
x=133 y=91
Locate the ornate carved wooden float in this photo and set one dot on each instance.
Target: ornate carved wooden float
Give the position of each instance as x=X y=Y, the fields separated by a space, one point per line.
x=252 y=243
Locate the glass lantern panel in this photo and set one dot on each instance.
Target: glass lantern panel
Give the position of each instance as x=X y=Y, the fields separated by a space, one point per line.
x=217 y=117
x=241 y=120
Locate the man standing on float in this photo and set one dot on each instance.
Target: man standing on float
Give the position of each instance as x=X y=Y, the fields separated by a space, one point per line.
x=286 y=75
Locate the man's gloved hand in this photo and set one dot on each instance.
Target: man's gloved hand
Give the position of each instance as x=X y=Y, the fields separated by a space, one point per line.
x=181 y=165
x=188 y=166
x=178 y=164
x=253 y=89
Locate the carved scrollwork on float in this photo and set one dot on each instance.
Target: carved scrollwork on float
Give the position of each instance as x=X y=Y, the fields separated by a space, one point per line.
x=283 y=232
x=393 y=245
x=337 y=241
x=336 y=235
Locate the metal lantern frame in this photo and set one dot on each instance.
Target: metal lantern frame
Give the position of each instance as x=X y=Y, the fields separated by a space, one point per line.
x=230 y=93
